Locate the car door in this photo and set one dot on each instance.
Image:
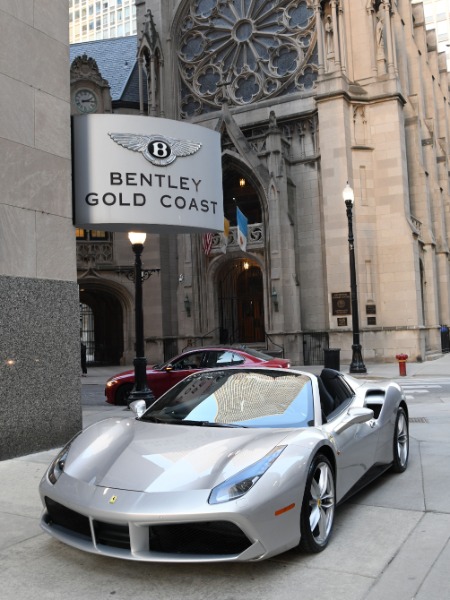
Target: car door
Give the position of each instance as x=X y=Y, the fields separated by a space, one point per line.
x=356 y=445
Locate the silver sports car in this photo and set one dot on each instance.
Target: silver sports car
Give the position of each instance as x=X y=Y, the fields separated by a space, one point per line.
x=231 y=464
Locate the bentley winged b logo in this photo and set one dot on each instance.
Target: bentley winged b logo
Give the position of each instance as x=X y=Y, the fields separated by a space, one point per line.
x=157 y=149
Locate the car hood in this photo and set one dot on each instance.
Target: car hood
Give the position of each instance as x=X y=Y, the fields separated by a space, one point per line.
x=146 y=457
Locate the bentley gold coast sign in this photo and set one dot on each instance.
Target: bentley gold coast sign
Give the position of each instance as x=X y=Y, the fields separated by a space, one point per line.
x=146 y=174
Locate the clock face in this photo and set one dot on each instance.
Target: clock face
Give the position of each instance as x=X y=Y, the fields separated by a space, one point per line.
x=85 y=101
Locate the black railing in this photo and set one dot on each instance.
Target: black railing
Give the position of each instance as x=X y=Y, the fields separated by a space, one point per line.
x=314 y=343
x=279 y=352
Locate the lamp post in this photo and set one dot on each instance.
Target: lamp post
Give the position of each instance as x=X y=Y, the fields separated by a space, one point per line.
x=357 y=365
x=140 y=390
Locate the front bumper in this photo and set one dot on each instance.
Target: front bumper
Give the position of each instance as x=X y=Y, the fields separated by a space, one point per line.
x=150 y=527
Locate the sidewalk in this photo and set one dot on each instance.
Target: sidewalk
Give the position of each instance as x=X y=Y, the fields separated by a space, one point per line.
x=391 y=541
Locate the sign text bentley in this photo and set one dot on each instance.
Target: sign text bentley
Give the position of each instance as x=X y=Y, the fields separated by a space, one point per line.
x=116 y=189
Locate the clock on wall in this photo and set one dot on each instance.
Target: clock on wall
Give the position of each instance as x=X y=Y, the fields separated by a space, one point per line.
x=85 y=101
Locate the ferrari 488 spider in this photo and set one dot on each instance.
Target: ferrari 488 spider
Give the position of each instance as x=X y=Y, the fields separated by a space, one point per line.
x=233 y=464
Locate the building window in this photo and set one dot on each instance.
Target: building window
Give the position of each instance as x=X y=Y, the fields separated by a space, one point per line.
x=92 y=235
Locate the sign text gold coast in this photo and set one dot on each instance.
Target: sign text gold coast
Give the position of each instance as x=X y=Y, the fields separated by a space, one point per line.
x=186 y=192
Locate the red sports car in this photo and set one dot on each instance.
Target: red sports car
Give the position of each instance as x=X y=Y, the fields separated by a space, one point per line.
x=162 y=377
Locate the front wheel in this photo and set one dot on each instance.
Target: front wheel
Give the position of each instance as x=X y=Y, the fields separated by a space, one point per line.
x=121 y=398
x=317 y=512
x=401 y=442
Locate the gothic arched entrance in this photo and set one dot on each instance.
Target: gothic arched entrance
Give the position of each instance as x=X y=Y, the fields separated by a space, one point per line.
x=241 y=302
x=101 y=323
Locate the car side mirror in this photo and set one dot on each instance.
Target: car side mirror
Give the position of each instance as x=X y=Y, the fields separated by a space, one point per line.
x=138 y=407
x=354 y=416
x=168 y=368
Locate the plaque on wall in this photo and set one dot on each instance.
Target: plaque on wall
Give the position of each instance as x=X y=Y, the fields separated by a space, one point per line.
x=371 y=320
x=340 y=303
x=342 y=321
x=371 y=309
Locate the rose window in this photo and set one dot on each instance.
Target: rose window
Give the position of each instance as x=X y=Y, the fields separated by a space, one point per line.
x=241 y=51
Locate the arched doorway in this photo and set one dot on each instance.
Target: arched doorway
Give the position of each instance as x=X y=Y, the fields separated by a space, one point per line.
x=241 y=302
x=101 y=324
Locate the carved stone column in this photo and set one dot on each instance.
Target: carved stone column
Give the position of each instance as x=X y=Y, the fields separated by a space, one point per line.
x=152 y=87
x=161 y=88
x=373 y=59
x=388 y=29
x=319 y=30
x=342 y=41
x=336 y=36
x=141 y=84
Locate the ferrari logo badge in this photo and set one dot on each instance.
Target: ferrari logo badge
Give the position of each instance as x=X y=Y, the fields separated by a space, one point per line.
x=112 y=499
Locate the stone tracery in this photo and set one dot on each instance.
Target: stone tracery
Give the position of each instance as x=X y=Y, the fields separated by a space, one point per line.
x=240 y=51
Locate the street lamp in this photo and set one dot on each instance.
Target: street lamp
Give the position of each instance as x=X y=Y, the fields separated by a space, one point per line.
x=140 y=390
x=357 y=365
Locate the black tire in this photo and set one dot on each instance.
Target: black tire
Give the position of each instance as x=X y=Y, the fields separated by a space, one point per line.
x=121 y=397
x=317 y=512
x=401 y=442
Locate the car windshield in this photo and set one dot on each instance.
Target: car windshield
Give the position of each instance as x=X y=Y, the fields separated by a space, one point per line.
x=237 y=398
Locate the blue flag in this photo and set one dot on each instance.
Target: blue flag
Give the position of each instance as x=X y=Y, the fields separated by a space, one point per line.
x=242 y=229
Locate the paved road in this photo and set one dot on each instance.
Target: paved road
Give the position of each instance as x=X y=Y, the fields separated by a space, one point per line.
x=93 y=395
x=392 y=541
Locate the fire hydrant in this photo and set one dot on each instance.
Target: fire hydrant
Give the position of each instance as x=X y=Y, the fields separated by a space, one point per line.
x=402 y=358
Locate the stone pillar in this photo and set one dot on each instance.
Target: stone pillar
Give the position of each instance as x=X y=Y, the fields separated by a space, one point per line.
x=141 y=84
x=152 y=87
x=342 y=42
x=319 y=31
x=337 y=60
x=388 y=31
x=372 y=28
x=161 y=88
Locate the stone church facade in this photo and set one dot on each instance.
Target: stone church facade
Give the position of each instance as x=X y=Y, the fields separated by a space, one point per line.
x=308 y=95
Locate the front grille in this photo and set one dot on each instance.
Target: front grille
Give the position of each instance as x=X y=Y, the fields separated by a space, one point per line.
x=68 y=519
x=117 y=536
x=216 y=537
x=208 y=538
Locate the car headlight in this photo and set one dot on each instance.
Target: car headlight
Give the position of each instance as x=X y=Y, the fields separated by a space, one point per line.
x=57 y=466
x=238 y=485
x=111 y=382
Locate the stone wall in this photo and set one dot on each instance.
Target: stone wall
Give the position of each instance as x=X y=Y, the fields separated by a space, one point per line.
x=39 y=317
x=40 y=368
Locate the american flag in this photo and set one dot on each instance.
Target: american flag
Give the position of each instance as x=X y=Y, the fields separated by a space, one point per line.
x=207 y=243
